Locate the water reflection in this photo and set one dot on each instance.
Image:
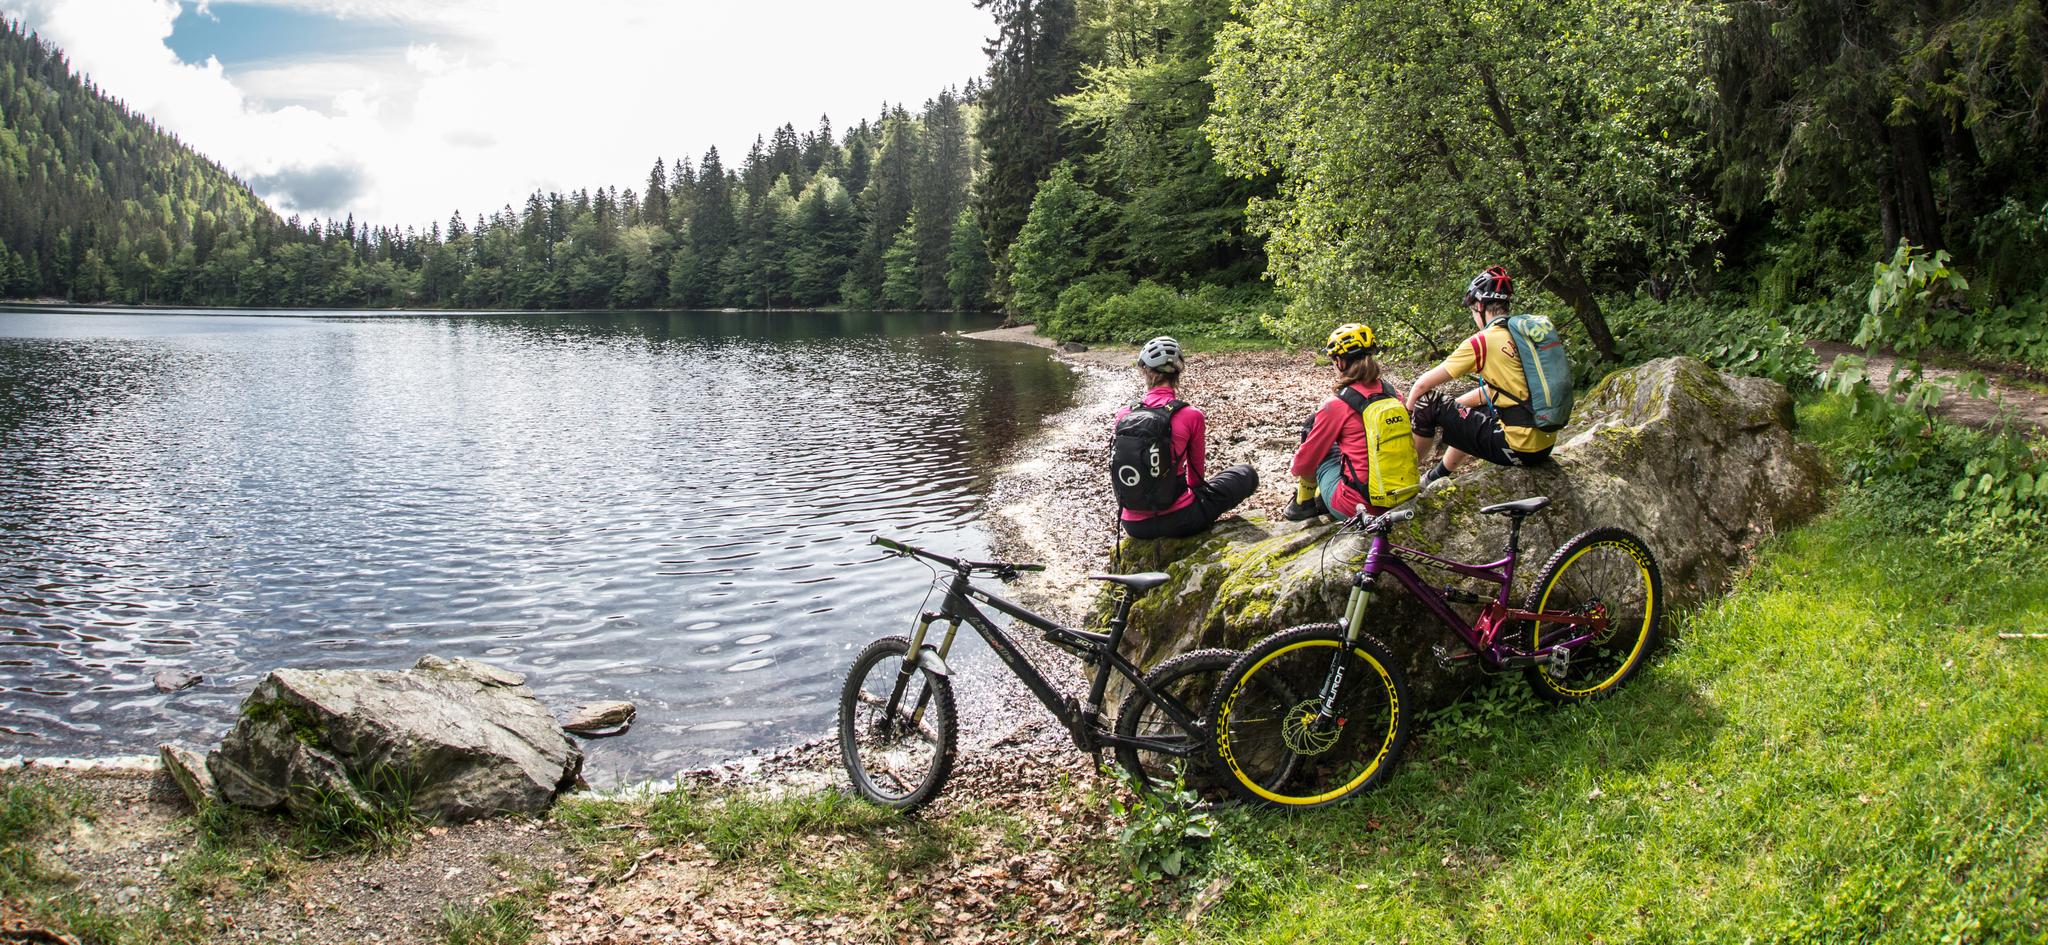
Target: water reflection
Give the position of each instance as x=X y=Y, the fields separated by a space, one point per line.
x=663 y=507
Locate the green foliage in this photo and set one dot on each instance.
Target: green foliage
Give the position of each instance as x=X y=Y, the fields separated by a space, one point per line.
x=1033 y=60
x=1143 y=100
x=1058 y=243
x=1727 y=336
x=967 y=269
x=900 y=287
x=1164 y=833
x=1905 y=295
x=1983 y=497
x=1107 y=308
x=115 y=210
x=1492 y=711
x=1420 y=141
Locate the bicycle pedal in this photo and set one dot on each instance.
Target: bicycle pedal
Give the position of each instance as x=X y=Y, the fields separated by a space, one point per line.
x=1559 y=663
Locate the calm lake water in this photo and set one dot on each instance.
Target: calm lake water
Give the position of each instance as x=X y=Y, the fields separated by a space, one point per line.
x=670 y=508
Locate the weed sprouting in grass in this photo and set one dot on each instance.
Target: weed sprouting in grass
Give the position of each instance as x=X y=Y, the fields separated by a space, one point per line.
x=506 y=919
x=372 y=813
x=1164 y=833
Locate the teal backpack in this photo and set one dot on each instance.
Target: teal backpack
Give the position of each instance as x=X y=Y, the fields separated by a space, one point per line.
x=1547 y=371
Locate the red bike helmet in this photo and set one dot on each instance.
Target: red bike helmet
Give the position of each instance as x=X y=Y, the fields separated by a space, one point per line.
x=1491 y=285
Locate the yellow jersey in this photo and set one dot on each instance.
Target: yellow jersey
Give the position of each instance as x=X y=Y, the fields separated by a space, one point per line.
x=1491 y=354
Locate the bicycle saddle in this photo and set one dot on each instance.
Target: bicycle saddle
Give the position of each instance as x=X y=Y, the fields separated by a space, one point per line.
x=1520 y=508
x=1139 y=583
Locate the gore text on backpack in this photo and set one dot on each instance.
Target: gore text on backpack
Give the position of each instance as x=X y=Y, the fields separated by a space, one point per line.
x=1390 y=441
x=1546 y=370
x=1142 y=468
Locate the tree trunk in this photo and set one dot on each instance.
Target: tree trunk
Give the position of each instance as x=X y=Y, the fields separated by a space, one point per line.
x=1919 y=218
x=1574 y=290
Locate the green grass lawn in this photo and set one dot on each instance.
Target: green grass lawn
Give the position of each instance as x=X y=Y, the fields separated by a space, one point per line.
x=1841 y=750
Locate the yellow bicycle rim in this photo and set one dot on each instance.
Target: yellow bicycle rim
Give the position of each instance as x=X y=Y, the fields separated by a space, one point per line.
x=1379 y=757
x=1642 y=633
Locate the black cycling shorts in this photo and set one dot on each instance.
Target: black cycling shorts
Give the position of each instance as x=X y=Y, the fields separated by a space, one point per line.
x=1472 y=429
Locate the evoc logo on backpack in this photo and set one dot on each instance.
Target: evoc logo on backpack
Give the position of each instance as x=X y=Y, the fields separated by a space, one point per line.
x=1142 y=468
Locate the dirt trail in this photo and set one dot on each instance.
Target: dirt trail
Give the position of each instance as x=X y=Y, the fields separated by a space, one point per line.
x=2013 y=399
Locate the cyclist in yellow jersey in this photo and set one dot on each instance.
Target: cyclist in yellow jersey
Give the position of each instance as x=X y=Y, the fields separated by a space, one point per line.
x=1470 y=425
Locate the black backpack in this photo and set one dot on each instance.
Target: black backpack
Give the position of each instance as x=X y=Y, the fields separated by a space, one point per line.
x=1142 y=468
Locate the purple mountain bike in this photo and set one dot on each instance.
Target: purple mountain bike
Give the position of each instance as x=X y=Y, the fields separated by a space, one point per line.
x=1315 y=714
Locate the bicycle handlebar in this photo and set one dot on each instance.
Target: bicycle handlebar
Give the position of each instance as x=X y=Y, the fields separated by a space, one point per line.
x=1002 y=569
x=1386 y=520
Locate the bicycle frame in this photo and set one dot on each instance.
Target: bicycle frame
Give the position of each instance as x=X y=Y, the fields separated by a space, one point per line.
x=1080 y=719
x=1483 y=635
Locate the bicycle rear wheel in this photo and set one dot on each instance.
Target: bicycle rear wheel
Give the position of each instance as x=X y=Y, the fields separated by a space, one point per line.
x=1186 y=682
x=1607 y=572
x=900 y=760
x=1302 y=720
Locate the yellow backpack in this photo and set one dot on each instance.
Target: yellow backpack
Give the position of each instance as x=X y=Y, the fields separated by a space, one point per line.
x=1390 y=441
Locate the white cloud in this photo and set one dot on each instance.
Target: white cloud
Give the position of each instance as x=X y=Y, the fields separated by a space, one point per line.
x=506 y=96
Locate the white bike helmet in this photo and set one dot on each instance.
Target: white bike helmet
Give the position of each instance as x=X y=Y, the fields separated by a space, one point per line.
x=1161 y=354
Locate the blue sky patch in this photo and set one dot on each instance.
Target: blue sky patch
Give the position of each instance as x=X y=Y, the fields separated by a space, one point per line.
x=241 y=34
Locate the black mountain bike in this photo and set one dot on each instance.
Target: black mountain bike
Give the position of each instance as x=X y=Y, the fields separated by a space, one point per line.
x=897 y=727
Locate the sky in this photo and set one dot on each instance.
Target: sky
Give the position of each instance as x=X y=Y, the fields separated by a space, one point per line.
x=405 y=111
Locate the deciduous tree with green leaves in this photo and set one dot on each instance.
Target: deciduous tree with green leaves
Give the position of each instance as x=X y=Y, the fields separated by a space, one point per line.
x=1421 y=140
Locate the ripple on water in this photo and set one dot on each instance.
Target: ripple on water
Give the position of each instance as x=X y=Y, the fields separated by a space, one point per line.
x=671 y=508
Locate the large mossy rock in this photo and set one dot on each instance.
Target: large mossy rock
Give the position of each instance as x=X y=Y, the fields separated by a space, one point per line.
x=1699 y=464
x=455 y=740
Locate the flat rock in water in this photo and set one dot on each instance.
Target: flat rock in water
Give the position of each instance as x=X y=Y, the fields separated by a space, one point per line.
x=600 y=717
x=454 y=739
x=172 y=680
x=1072 y=347
x=188 y=769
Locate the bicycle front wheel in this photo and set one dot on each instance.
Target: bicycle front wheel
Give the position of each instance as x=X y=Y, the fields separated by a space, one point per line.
x=898 y=759
x=1303 y=720
x=1604 y=572
x=1182 y=686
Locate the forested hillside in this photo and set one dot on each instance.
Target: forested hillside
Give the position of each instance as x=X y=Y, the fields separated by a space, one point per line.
x=102 y=206
x=95 y=197
x=1714 y=177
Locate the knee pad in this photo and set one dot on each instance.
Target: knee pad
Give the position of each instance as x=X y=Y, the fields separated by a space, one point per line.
x=1426 y=416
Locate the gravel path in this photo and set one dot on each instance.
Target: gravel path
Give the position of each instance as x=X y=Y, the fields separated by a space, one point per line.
x=2012 y=399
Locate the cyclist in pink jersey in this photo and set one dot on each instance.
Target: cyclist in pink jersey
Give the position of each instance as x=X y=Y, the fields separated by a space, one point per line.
x=1159 y=461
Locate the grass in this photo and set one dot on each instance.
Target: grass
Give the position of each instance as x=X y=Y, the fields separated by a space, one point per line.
x=1839 y=750
x=505 y=919
x=829 y=853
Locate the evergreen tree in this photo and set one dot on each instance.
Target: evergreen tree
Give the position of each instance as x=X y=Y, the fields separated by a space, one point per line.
x=888 y=200
x=900 y=283
x=938 y=192
x=1058 y=244
x=1032 y=62
x=967 y=266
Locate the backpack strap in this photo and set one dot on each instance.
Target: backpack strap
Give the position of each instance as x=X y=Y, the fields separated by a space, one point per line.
x=1357 y=402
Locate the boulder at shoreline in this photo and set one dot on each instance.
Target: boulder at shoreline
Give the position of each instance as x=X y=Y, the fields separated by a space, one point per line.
x=1700 y=464
x=454 y=740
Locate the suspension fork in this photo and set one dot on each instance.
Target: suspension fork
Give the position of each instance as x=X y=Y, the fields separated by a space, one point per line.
x=1354 y=624
x=912 y=659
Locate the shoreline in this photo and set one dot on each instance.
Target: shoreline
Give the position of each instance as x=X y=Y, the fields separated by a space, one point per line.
x=1023 y=809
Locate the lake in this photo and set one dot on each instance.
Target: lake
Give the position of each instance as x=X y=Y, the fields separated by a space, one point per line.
x=671 y=508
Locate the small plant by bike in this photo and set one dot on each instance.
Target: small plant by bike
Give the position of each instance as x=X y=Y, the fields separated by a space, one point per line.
x=1315 y=714
x=896 y=721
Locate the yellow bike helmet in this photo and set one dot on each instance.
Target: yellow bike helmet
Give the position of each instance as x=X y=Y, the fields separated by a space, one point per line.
x=1351 y=339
